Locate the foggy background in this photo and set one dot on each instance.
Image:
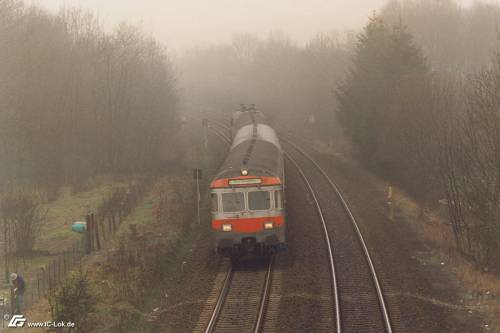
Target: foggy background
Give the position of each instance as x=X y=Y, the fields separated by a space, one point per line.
x=182 y=24
x=405 y=89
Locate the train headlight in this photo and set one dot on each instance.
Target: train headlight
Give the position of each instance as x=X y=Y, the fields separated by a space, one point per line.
x=268 y=225
x=227 y=227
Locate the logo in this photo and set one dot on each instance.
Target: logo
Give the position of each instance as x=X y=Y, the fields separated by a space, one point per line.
x=17 y=321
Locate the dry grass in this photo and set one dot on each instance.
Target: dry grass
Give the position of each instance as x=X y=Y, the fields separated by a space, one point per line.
x=480 y=290
x=100 y=266
x=158 y=235
x=56 y=235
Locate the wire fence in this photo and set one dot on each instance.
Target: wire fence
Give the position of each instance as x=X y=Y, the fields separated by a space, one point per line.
x=52 y=274
x=100 y=228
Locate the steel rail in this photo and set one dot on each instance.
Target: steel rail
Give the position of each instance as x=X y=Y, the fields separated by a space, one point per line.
x=219 y=124
x=345 y=204
x=227 y=282
x=352 y=219
x=220 y=301
x=325 y=229
x=328 y=243
x=222 y=136
x=265 y=295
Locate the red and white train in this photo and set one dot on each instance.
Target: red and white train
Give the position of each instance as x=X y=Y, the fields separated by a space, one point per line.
x=248 y=206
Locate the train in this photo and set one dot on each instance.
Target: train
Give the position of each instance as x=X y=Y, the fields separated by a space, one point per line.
x=248 y=191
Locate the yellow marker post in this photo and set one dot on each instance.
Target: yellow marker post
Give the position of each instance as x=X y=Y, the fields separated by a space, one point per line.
x=390 y=206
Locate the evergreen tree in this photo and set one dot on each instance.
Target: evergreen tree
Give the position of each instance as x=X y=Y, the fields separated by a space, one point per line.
x=384 y=58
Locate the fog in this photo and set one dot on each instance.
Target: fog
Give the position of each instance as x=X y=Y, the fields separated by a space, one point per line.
x=288 y=57
x=97 y=95
x=182 y=24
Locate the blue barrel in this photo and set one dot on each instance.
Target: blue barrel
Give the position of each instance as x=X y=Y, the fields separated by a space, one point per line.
x=79 y=227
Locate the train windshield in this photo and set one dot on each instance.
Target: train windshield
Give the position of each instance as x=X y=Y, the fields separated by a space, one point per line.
x=278 y=199
x=213 y=198
x=233 y=202
x=259 y=200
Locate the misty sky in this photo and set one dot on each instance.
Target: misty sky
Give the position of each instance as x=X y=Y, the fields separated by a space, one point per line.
x=183 y=23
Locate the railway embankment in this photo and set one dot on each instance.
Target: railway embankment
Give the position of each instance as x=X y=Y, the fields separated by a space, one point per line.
x=430 y=287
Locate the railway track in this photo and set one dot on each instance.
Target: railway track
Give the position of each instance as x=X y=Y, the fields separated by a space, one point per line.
x=243 y=298
x=362 y=307
x=356 y=292
x=242 y=301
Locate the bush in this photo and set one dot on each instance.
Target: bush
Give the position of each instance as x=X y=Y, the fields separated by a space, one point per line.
x=73 y=302
x=22 y=216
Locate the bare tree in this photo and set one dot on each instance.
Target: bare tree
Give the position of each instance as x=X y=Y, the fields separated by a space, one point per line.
x=76 y=101
x=22 y=219
x=474 y=168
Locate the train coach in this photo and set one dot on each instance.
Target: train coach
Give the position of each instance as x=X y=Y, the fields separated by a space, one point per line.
x=247 y=193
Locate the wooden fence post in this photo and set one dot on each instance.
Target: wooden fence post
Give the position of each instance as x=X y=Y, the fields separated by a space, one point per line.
x=95 y=224
x=65 y=264
x=75 y=251
x=88 y=235
x=54 y=275
x=49 y=276
x=111 y=218
x=38 y=285
x=59 y=269
x=42 y=279
x=103 y=229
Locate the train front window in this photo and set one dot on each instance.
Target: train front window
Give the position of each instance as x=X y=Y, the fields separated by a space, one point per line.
x=233 y=202
x=259 y=200
x=278 y=199
x=215 y=204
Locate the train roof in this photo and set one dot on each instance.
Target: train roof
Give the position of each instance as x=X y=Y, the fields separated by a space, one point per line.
x=265 y=160
x=243 y=118
x=255 y=149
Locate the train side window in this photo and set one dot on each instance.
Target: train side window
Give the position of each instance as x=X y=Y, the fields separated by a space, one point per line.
x=259 y=200
x=233 y=202
x=278 y=199
x=214 y=201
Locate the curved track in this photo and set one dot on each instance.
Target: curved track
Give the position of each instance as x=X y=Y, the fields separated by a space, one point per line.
x=359 y=301
x=362 y=304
